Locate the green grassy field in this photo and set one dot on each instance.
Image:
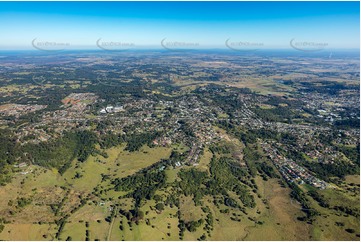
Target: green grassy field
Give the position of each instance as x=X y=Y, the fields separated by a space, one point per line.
x=119 y=163
x=274 y=217
x=279 y=221
x=204 y=160
x=28 y=232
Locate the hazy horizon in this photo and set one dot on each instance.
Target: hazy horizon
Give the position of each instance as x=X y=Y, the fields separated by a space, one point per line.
x=189 y=25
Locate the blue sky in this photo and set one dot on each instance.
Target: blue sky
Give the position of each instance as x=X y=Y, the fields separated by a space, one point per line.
x=208 y=24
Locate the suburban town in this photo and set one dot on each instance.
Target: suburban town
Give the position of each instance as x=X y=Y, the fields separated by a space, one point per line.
x=191 y=143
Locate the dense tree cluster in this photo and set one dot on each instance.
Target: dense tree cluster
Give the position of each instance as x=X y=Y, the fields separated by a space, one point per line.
x=136 y=141
x=225 y=175
x=56 y=153
x=326 y=171
x=141 y=185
